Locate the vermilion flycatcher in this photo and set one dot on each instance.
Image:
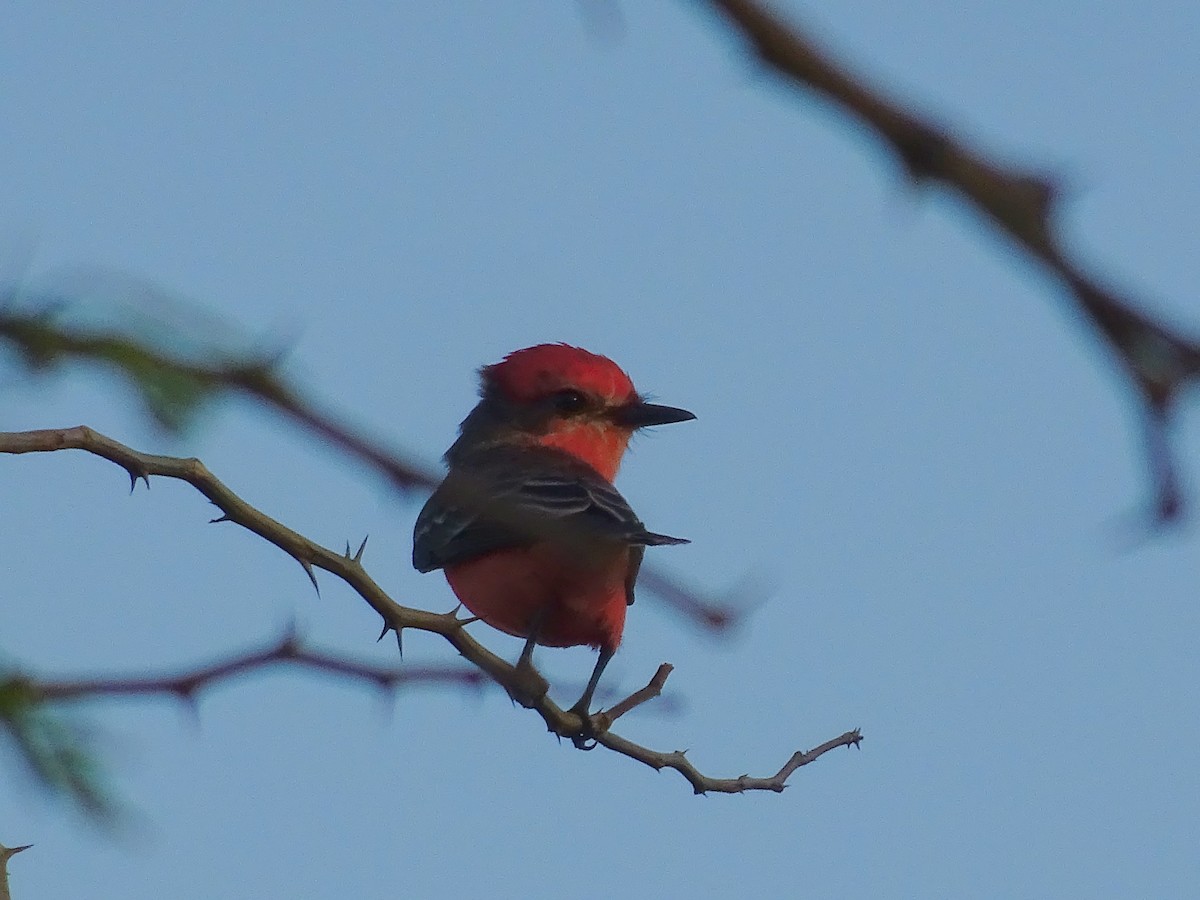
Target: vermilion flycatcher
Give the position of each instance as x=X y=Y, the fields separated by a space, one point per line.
x=532 y=535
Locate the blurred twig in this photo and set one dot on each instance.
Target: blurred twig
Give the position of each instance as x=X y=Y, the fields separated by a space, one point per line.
x=1021 y=204
x=348 y=567
x=287 y=651
x=59 y=753
x=44 y=342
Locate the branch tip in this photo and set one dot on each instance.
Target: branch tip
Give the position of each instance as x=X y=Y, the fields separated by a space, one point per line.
x=652 y=689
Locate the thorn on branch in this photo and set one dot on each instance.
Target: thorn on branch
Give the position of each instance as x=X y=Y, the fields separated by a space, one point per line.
x=388 y=626
x=312 y=575
x=136 y=472
x=455 y=622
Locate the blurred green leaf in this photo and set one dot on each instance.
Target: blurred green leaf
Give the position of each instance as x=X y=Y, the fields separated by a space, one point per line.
x=172 y=397
x=174 y=355
x=56 y=751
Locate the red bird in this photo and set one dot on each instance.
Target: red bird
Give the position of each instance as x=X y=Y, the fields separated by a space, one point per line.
x=532 y=535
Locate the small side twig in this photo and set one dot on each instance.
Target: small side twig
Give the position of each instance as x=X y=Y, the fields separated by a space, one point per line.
x=652 y=689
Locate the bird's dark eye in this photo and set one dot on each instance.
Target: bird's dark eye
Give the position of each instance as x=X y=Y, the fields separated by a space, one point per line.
x=570 y=401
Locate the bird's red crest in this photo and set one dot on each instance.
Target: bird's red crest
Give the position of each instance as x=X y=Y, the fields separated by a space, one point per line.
x=545 y=368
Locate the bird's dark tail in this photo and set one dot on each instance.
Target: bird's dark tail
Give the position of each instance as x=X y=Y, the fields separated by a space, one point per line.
x=650 y=539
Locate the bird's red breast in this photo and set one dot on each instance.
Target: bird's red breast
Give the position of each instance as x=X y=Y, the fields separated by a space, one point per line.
x=507 y=589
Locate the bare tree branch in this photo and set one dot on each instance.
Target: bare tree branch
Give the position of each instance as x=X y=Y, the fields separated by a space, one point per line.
x=702 y=784
x=395 y=617
x=1021 y=204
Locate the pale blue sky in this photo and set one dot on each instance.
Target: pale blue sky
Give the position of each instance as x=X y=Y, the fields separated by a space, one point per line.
x=900 y=433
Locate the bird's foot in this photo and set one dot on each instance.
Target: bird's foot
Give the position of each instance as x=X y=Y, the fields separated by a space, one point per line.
x=527 y=686
x=592 y=725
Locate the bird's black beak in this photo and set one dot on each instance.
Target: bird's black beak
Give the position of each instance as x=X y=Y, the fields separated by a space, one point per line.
x=640 y=414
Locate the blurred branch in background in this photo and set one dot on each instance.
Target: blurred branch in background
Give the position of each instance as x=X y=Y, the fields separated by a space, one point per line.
x=174 y=384
x=61 y=753
x=1021 y=204
x=584 y=732
x=186 y=685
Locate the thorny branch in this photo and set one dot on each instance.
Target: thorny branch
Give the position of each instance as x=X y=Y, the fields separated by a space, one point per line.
x=1020 y=203
x=43 y=342
x=348 y=567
